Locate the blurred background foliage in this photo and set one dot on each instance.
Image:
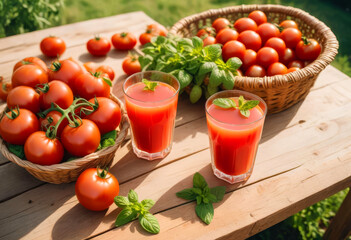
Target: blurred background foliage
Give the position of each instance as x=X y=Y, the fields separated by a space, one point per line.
x=19 y=16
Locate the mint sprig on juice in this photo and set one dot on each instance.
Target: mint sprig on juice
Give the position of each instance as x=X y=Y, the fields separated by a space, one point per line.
x=151 y=102
x=235 y=121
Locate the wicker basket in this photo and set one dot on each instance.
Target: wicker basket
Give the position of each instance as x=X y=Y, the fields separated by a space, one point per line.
x=69 y=171
x=281 y=91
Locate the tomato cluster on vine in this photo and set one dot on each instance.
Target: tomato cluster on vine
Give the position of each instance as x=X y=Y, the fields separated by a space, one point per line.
x=265 y=49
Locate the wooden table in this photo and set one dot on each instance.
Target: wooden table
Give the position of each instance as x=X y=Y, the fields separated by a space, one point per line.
x=304 y=157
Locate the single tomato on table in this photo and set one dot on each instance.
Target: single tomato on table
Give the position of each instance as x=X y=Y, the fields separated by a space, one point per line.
x=5 y=88
x=56 y=92
x=24 y=97
x=131 y=65
x=92 y=85
x=123 y=41
x=157 y=29
x=146 y=37
x=98 y=46
x=31 y=60
x=52 y=46
x=29 y=75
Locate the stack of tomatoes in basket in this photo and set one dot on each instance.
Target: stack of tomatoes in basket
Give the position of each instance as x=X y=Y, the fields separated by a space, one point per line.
x=265 y=49
x=58 y=112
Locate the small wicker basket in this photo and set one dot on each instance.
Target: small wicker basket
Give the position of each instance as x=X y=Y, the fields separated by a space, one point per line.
x=281 y=91
x=69 y=171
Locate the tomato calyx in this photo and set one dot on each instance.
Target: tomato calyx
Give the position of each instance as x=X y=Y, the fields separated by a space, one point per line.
x=56 y=66
x=99 y=74
x=123 y=34
x=14 y=114
x=279 y=27
x=44 y=88
x=97 y=38
x=26 y=62
x=102 y=172
x=305 y=41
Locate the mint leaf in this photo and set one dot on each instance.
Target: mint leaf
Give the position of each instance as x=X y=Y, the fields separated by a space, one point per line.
x=197 y=191
x=108 y=139
x=205 y=212
x=206 y=191
x=245 y=113
x=224 y=103
x=132 y=196
x=206 y=67
x=149 y=85
x=212 y=198
x=212 y=52
x=198 y=199
x=18 y=150
x=149 y=223
x=121 y=201
x=233 y=64
x=218 y=192
x=241 y=101
x=125 y=216
x=199 y=181
x=147 y=204
x=187 y=194
x=249 y=104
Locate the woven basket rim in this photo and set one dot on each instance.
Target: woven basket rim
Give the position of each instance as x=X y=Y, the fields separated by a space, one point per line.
x=329 y=48
x=79 y=162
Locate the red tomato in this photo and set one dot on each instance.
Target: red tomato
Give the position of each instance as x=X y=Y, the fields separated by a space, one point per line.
x=308 y=49
x=157 y=29
x=89 y=86
x=226 y=35
x=98 y=46
x=243 y=24
x=209 y=40
x=108 y=70
x=124 y=41
x=146 y=37
x=288 y=56
x=206 y=31
x=276 y=68
x=18 y=129
x=89 y=66
x=288 y=24
x=291 y=37
x=5 y=88
x=258 y=16
x=131 y=65
x=66 y=71
x=277 y=44
x=40 y=149
x=29 y=75
x=255 y=71
x=233 y=49
x=96 y=189
x=51 y=119
x=267 y=31
x=220 y=23
x=108 y=115
x=249 y=59
x=250 y=39
x=82 y=140
x=24 y=97
x=267 y=56
x=56 y=92
x=52 y=46
x=296 y=63
x=293 y=69
x=31 y=60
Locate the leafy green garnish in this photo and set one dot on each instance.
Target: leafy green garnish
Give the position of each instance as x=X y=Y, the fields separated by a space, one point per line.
x=133 y=209
x=149 y=85
x=244 y=106
x=108 y=139
x=18 y=150
x=204 y=196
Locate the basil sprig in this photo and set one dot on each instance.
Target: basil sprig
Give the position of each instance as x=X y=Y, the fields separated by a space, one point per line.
x=149 y=85
x=244 y=106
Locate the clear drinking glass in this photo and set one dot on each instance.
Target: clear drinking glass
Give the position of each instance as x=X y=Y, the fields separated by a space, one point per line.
x=151 y=113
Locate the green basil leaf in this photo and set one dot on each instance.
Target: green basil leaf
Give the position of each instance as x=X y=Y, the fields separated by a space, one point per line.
x=149 y=85
x=211 y=90
x=245 y=113
x=241 y=101
x=147 y=204
x=224 y=103
x=198 y=199
x=205 y=212
x=195 y=94
x=18 y=150
x=249 y=104
x=217 y=77
x=212 y=198
x=228 y=82
x=149 y=223
x=187 y=194
x=132 y=196
x=233 y=63
x=125 y=216
x=212 y=52
x=184 y=78
x=158 y=40
x=199 y=181
x=121 y=202
x=108 y=139
x=197 y=43
x=218 y=192
x=206 y=67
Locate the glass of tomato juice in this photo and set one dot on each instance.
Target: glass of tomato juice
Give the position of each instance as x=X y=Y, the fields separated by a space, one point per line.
x=151 y=112
x=233 y=137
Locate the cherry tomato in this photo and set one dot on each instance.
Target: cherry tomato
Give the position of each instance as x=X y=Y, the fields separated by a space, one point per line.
x=249 y=59
x=5 y=88
x=145 y=37
x=108 y=115
x=66 y=71
x=296 y=63
x=157 y=29
x=267 y=31
x=220 y=23
x=131 y=65
x=308 y=49
x=51 y=119
x=89 y=86
x=209 y=40
x=258 y=16
x=56 y=92
x=209 y=31
x=89 y=66
x=250 y=39
x=243 y=24
x=277 y=44
x=18 y=129
x=276 y=68
x=226 y=35
x=108 y=70
x=291 y=37
x=124 y=41
x=267 y=56
x=233 y=49
x=31 y=60
x=82 y=140
x=24 y=97
x=96 y=189
x=40 y=149
x=98 y=46
x=52 y=46
x=293 y=69
x=288 y=24
x=288 y=56
x=29 y=75
x=255 y=71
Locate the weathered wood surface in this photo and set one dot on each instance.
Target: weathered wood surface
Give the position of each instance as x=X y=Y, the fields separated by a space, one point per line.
x=304 y=157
